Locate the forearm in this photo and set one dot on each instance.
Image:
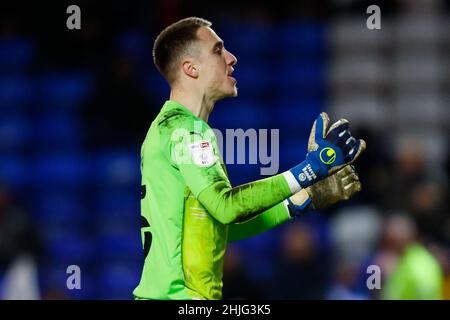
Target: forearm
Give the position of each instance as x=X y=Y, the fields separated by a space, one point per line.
x=267 y=220
x=231 y=205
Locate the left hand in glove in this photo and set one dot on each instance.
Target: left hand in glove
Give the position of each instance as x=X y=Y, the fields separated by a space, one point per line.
x=342 y=185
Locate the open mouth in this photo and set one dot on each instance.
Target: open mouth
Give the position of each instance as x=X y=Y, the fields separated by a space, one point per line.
x=230 y=75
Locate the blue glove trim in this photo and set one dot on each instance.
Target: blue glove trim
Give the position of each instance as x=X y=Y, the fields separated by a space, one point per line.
x=298 y=210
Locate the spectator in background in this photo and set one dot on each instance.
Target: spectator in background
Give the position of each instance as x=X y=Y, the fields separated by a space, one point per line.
x=302 y=272
x=18 y=252
x=354 y=232
x=446 y=287
x=412 y=272
x=237 y=284
x=426 y=203
x=376 y=169
x=345 y=283
x=442 y=255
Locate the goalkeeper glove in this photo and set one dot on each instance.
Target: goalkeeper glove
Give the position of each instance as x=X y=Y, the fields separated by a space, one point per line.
x=298 y=204
x=341 y=185
x=332 y=148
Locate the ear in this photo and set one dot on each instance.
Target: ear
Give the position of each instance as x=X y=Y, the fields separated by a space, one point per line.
x=190 y=69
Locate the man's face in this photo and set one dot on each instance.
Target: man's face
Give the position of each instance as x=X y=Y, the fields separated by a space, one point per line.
x=215 y=65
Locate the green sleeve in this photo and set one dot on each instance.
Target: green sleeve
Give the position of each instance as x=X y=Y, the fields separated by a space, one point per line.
x=230 y=205
x=267 y=220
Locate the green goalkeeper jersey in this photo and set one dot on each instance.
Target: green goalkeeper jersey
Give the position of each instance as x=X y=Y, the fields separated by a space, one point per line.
x=190 y=211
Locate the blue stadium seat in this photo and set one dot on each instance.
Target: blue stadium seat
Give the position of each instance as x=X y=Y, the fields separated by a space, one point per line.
x=16 y=54
x=16 y=93
x=69 y=248
x=133 y=44
x=119 y=245
x=303 y=56
x=260 y=253
x=61 y=209
x=157 y=86
x=65 y=90
x=301 y=74
x=58 y=131
x=297 y=112
x=253 y=78
x=302 y=39
x=15 y=131
x=118 y=207
x=60 y=169
x=118 y=168
x=117 y=281
x=248 y=39
x=240 y=174
x=241 y=113
x=13 y=170
x=293 y=148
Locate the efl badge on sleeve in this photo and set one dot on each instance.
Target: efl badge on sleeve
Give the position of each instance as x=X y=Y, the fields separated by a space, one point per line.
x=203 y=153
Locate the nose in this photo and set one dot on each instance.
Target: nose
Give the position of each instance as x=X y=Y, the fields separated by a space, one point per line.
x=231 y=59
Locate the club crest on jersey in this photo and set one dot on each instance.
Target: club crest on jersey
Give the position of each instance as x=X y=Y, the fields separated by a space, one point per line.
x=202 y=153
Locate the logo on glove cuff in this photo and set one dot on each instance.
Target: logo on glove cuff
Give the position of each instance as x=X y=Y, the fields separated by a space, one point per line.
x=307 y=173
x=327 y=155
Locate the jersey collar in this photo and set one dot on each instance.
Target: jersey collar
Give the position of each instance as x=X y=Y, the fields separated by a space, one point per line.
x=171 y=104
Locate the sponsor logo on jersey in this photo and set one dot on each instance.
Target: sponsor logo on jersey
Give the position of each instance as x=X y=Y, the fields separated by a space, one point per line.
x=204 y=144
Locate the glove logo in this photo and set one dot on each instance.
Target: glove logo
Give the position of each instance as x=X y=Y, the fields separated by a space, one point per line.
x=327 y=155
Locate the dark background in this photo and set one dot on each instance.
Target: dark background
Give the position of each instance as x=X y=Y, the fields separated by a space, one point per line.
x=75 y=106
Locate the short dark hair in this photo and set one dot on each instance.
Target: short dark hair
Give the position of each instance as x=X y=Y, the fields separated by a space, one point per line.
x=172 y=42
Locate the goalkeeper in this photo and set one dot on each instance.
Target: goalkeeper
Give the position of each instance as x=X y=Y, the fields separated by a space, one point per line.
x=189 y=209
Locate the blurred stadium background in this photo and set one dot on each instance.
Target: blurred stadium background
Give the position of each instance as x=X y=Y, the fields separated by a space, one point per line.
x=75 y=107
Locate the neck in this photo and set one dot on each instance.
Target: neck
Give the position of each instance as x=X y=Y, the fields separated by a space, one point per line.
x=197 y=103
